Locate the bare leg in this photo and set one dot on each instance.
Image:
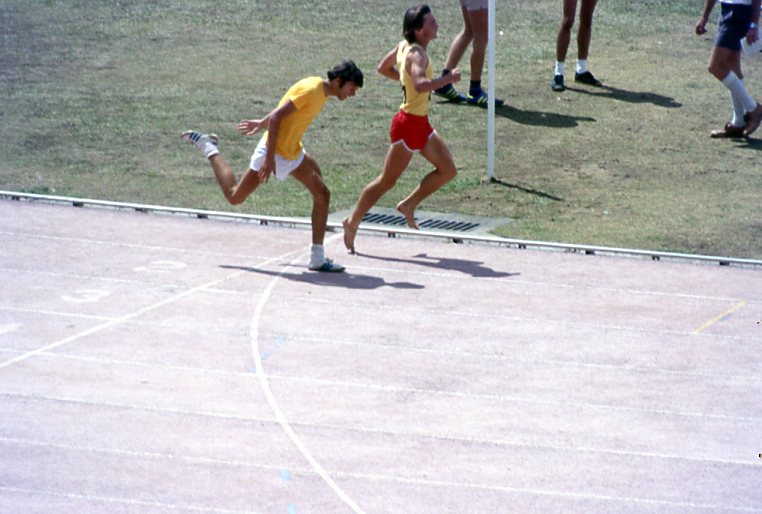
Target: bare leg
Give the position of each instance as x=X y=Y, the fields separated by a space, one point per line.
x=460 y=43
x=235 y=192
x=437 y=153
x=585 y=32
x=308 y=173
x=479 y=23
x=564 y=30
x=397 y=159
x=722 y=61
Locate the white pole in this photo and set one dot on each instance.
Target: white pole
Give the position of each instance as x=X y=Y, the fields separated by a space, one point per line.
x=491 y=90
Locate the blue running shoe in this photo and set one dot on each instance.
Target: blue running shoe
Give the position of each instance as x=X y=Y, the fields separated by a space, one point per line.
x=328 y=265
x=450 y=93
x=481 y=100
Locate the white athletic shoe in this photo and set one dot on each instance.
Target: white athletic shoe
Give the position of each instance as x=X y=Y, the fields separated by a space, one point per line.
x=207 y=143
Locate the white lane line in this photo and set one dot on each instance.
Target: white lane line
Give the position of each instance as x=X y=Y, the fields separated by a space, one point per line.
x=513 y=399
x=109 y=280
x=112 y=322
x=373 y=477
x=148 y=455
x=121 y=501
x=279 y=416
x=122 y=244
x=428 y=434
x=127 y=317
x=510 y=359
x=369 y=386
x=44 y=312
x=561 y=494
x=462 y=355
x=452 y=275
x=458 y=354
x=349 y=306
x=147 y=365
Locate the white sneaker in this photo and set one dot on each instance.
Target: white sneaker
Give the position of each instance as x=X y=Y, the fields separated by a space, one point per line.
x=207 y=143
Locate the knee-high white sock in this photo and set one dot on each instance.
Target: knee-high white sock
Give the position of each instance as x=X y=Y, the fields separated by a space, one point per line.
x=738 y=111
x=739 y=91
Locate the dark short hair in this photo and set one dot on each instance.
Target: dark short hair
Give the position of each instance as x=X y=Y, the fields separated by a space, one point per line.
x=347 y=71
x=414 y=21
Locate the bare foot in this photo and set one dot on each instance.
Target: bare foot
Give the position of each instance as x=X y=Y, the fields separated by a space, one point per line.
x=409 y=215
x=349 y=235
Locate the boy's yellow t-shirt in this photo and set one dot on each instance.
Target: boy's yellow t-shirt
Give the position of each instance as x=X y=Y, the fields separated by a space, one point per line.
x=413 y=102
x=309 y=98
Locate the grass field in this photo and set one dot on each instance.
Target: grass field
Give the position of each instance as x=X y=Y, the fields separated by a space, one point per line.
x=94 y=95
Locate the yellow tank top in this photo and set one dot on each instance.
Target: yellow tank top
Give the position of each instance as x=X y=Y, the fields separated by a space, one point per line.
x=413 y=102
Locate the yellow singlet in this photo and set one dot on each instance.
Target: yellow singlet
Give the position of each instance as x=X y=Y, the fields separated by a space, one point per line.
x=414 y=102
x=309 y=98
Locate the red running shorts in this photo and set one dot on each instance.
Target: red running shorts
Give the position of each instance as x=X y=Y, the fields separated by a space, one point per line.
x=411 y=130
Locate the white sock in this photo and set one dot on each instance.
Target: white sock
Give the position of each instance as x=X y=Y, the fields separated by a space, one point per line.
x=739 y=91
x=210 y=150
x=581 y=65
x=738 y=111
x=317 y=255
x=559 y=69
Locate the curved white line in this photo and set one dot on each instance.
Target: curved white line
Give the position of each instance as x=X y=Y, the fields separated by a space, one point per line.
x=279 y=416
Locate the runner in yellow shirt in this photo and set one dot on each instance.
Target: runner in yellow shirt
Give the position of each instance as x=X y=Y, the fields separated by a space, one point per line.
x=280 y=149
x=411 y=132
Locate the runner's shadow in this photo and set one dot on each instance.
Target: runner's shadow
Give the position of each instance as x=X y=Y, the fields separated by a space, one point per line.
x=345 y=280
x=634 y=97
x=526 y=117
x=473 y=268
x=529 y=190
x=751 y=144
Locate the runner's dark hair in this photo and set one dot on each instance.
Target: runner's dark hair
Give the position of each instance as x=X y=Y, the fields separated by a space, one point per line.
x=414 y=21
x=347 y=71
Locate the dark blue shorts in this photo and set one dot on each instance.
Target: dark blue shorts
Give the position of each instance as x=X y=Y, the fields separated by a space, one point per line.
x=734 y=24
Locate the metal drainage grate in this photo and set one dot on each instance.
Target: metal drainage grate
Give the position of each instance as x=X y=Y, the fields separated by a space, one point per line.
x=427 y=223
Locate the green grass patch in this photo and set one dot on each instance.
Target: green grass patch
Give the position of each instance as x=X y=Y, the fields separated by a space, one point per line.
x=94 y=95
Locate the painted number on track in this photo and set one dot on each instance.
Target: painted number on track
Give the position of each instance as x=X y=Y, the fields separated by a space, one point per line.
x=86 y=295
x=9 y=327
x=161 y=267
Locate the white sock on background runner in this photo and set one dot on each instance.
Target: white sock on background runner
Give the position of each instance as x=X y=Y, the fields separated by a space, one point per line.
x=738 y=110
x=739 y=91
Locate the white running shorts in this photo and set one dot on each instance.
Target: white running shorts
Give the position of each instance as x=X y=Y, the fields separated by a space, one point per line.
x=283 y=166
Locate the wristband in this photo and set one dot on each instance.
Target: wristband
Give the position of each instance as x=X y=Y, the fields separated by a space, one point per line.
x=752 y=26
